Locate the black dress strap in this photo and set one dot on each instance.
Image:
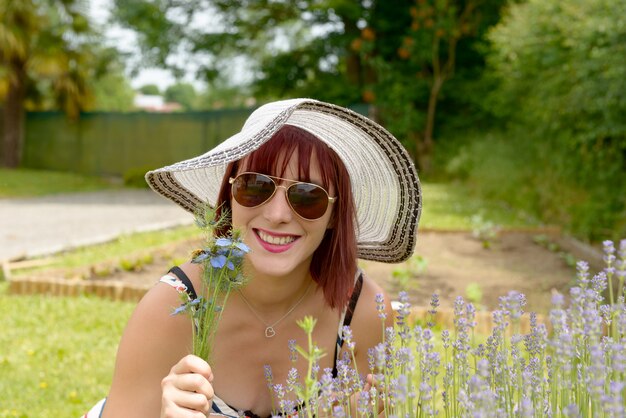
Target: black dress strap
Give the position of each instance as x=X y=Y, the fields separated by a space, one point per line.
x=353 y=300
x=347 y=319
x=183 y=278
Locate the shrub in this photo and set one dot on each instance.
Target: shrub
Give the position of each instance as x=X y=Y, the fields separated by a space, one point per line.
x=561 y=75
x=134 y=177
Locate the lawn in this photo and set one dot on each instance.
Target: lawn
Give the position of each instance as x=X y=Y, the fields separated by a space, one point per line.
x=450 y=206
x=56 y=353
x=26 y=183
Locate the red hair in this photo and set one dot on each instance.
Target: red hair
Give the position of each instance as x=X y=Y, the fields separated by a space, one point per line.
x=334 y=262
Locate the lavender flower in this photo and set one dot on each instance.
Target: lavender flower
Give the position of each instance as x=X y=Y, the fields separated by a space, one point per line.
x=267 y=372
x=513 y=304
x=380 y=306
x=434 y=304
x=609 y=252
x=293 y=352
x=347 y=338
x=577 y=370
x=292 y=380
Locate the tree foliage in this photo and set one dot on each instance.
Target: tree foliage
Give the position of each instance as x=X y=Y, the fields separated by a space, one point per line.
x=183 y=94
x=48 y=52
x=415 y=54
x=112 y=92
x=150 y=89
x=395 y=55
x=564 y=64
x=561 y=70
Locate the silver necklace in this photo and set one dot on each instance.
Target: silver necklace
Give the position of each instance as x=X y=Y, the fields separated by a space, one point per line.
x=269 y=328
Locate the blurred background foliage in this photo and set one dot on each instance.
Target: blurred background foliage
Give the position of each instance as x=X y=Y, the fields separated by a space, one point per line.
x=519 y=101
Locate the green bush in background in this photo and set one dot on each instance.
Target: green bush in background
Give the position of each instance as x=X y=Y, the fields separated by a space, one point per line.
x=135 y=176
x=560 y=78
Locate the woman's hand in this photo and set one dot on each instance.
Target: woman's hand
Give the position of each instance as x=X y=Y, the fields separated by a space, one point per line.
x=187 y=389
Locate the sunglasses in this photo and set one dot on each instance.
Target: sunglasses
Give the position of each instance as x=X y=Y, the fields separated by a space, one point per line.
x=307 y=200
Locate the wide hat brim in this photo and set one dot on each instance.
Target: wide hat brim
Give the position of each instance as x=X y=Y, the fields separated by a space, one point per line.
x=385 y=184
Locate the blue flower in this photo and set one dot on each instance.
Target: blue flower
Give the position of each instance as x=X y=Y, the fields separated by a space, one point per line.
x=223 y=242
x=243 y=247
x=201 y=257
x=218 y=261
x=182 y=308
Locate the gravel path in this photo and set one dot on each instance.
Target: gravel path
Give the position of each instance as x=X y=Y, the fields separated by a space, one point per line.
x=44 y=225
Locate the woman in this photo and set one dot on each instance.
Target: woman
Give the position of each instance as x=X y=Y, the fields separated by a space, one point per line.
x=313 y=187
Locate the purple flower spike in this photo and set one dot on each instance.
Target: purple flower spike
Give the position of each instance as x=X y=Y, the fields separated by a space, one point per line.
x=293 y=353
x=347 y=338
x=267 y=372
x=338 y=412
x=380 y=306
x=609 y=252
x=434 y=303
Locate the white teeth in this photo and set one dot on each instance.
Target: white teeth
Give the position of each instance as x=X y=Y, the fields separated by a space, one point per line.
x=275 y=240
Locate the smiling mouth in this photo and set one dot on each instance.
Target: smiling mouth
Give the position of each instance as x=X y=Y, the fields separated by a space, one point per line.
x=274 y=240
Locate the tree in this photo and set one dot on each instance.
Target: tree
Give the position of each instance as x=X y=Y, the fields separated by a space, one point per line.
x=415 y=57
x=183 y=94
x=150 y=89
x=44 y=50
x=277 y=42
x=395 y=55
x=112 y=91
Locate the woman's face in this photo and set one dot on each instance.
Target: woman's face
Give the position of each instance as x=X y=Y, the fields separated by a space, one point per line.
x=281 y=242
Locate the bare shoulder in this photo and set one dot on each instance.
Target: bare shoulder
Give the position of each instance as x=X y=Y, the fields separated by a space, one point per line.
x=153 y=341
x=367 y=325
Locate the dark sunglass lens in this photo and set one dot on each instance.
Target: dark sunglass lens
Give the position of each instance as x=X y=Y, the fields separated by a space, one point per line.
x=308 y=200
x=251 y=190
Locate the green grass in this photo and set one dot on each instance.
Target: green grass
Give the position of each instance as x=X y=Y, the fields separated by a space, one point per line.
x=450 y=206
x=56 y=353
x=123 y=248
x=26 y=183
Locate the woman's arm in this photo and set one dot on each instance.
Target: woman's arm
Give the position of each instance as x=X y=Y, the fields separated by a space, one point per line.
x=152 y=344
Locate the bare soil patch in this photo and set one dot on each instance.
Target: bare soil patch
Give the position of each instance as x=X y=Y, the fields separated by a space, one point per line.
x=513 y=262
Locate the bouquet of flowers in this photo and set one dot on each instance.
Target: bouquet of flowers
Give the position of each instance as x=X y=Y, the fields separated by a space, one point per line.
x=221 y=258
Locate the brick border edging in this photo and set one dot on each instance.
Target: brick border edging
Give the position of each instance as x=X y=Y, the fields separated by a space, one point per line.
x=109 y=289
x=121 y=291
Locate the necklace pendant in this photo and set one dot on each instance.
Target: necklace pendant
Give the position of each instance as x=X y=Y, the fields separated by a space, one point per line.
x=269 y=332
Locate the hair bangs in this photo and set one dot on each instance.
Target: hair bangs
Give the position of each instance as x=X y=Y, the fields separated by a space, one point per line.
x=274 y=155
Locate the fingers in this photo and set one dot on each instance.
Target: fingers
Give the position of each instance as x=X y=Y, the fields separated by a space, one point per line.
x=187 y=389
x=193 y=364
x=194 y=382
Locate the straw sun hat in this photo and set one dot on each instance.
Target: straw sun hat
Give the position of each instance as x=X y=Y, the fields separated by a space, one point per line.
x=384 y=181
